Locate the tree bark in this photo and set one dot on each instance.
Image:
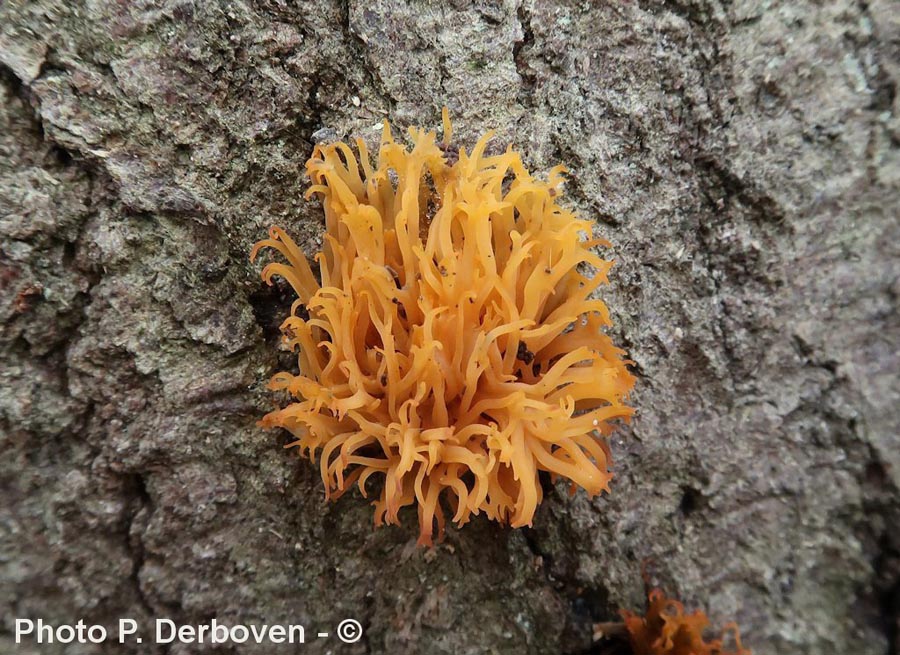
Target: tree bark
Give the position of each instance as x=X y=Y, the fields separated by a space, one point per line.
x=742 y=157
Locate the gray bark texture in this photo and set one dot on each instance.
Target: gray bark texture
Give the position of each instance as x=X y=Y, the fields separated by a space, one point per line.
x=743 y=158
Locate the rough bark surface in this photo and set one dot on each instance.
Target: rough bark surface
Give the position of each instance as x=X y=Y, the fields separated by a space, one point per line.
x=743 y=158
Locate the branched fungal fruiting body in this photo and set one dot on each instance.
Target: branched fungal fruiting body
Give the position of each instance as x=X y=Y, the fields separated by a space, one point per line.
x=453 y=345
x=666 y=629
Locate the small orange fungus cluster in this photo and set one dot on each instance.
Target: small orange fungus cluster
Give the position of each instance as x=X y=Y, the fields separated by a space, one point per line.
x=667 y=629
x=450 y=343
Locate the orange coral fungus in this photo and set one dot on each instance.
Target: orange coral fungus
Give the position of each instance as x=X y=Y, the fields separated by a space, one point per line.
x=667 y=630
x=452 y=345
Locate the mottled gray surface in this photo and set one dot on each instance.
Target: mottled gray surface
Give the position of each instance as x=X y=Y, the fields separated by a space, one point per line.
x=743 y=158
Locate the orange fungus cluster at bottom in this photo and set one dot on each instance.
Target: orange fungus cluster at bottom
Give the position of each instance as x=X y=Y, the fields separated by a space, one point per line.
x=667 y=629
x=452 y=343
